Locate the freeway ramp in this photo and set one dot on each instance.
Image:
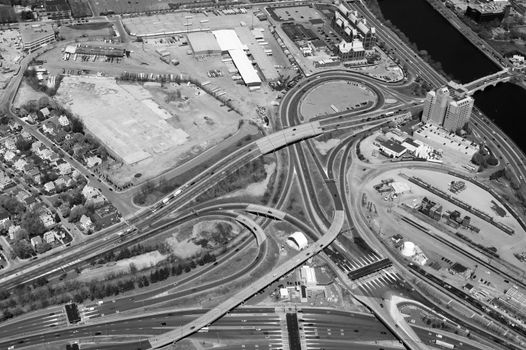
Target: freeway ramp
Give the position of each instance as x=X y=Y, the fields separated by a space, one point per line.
x=165 y=339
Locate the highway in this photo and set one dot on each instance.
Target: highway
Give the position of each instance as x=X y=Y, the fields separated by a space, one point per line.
x=251 y=327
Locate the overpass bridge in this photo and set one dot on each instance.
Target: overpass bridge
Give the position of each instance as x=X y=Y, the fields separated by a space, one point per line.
x=489 y=80
x=162 y=340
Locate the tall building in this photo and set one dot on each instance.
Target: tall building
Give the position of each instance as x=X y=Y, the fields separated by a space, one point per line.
x=458 y=113
x=438 y=109
x=451 y=111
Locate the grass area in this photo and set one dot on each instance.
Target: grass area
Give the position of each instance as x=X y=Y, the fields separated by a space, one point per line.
x=294 y=204
x=90 y=26
x=249 y=173
x=154 y=190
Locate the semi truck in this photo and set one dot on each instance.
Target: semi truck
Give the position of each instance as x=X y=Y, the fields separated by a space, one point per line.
x=444 y=344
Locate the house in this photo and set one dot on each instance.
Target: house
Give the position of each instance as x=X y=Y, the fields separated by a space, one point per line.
x=26 y=135
x=12 y=231
x=9 y=156
x=50 y=236
x=64 y=168
x=45 y=112
x=38 y=179
x=32 y=171
x=76 y=174
x=85 y=223
x=10 y=143
x=93 y=161
x=30 y=201
x=20 y=164
x=21 y=195
x=63 y=120
x=4 y=217
x=69 y=181
x=36 y=241
x=47 y=220
x=4 y=180
x=90 y=192
x=49 y=187
x=60 y=184
x=49 y=128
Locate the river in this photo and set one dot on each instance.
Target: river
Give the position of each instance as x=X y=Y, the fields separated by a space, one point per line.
x=459 y=59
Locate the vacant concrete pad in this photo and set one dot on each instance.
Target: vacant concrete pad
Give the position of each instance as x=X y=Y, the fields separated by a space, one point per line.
x=121 y=120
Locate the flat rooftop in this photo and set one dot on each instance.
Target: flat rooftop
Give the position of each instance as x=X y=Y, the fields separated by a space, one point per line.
x=31 y=32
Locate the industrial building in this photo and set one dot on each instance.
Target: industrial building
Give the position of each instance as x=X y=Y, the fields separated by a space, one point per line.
x=35 y=35
x=228 y=41
x=450 y=110
x=391 y=148
x=353 y=27
x=351 y=51
x=203 y=44
x=486 y=11
x=100 y=50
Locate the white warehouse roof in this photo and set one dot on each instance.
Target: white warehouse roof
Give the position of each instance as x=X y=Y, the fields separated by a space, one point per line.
x=228 y=40
x=244 y=66
x=297 y=240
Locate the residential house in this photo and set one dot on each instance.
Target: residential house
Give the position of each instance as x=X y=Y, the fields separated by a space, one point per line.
x=69 y=181
x=93 y=196
x=32 y=170
x=49 y=127
x=9 y=156
x=38 y=179
x=21 y=195
x=30 y=202
x=26 y=135
x=48 y=220
x=4 y=217
x=85 y=223
x=10 y=143
x=36 y=241
x=63 y=120
x=64 y=168
x=49 y=187
x=13 y=230
x=14 y=126
x=60 y=184
x=45 y=112
x=76 y=174
x=20 y=164
x=50 y=236
x=90 y=192
x=4 y=180
x=93 y=161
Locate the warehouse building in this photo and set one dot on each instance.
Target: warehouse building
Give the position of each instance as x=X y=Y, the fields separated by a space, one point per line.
x=229 y=42
x=203 y=44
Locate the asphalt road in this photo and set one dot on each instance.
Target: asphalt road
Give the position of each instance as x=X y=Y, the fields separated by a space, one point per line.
x=248 y=328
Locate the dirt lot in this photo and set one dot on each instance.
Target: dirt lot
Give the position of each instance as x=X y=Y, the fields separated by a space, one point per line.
x=342 y=95
x=142 y=261
x=149 y=128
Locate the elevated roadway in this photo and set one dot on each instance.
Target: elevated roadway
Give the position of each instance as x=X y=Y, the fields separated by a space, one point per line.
x=234 y=301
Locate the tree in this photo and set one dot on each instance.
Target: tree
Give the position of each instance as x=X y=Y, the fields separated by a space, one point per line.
x=43 y=247
x=76 y=125
x=22 y=144
x=43 y=102
x=32 y=224
x=76 y=213
x=23 y=249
